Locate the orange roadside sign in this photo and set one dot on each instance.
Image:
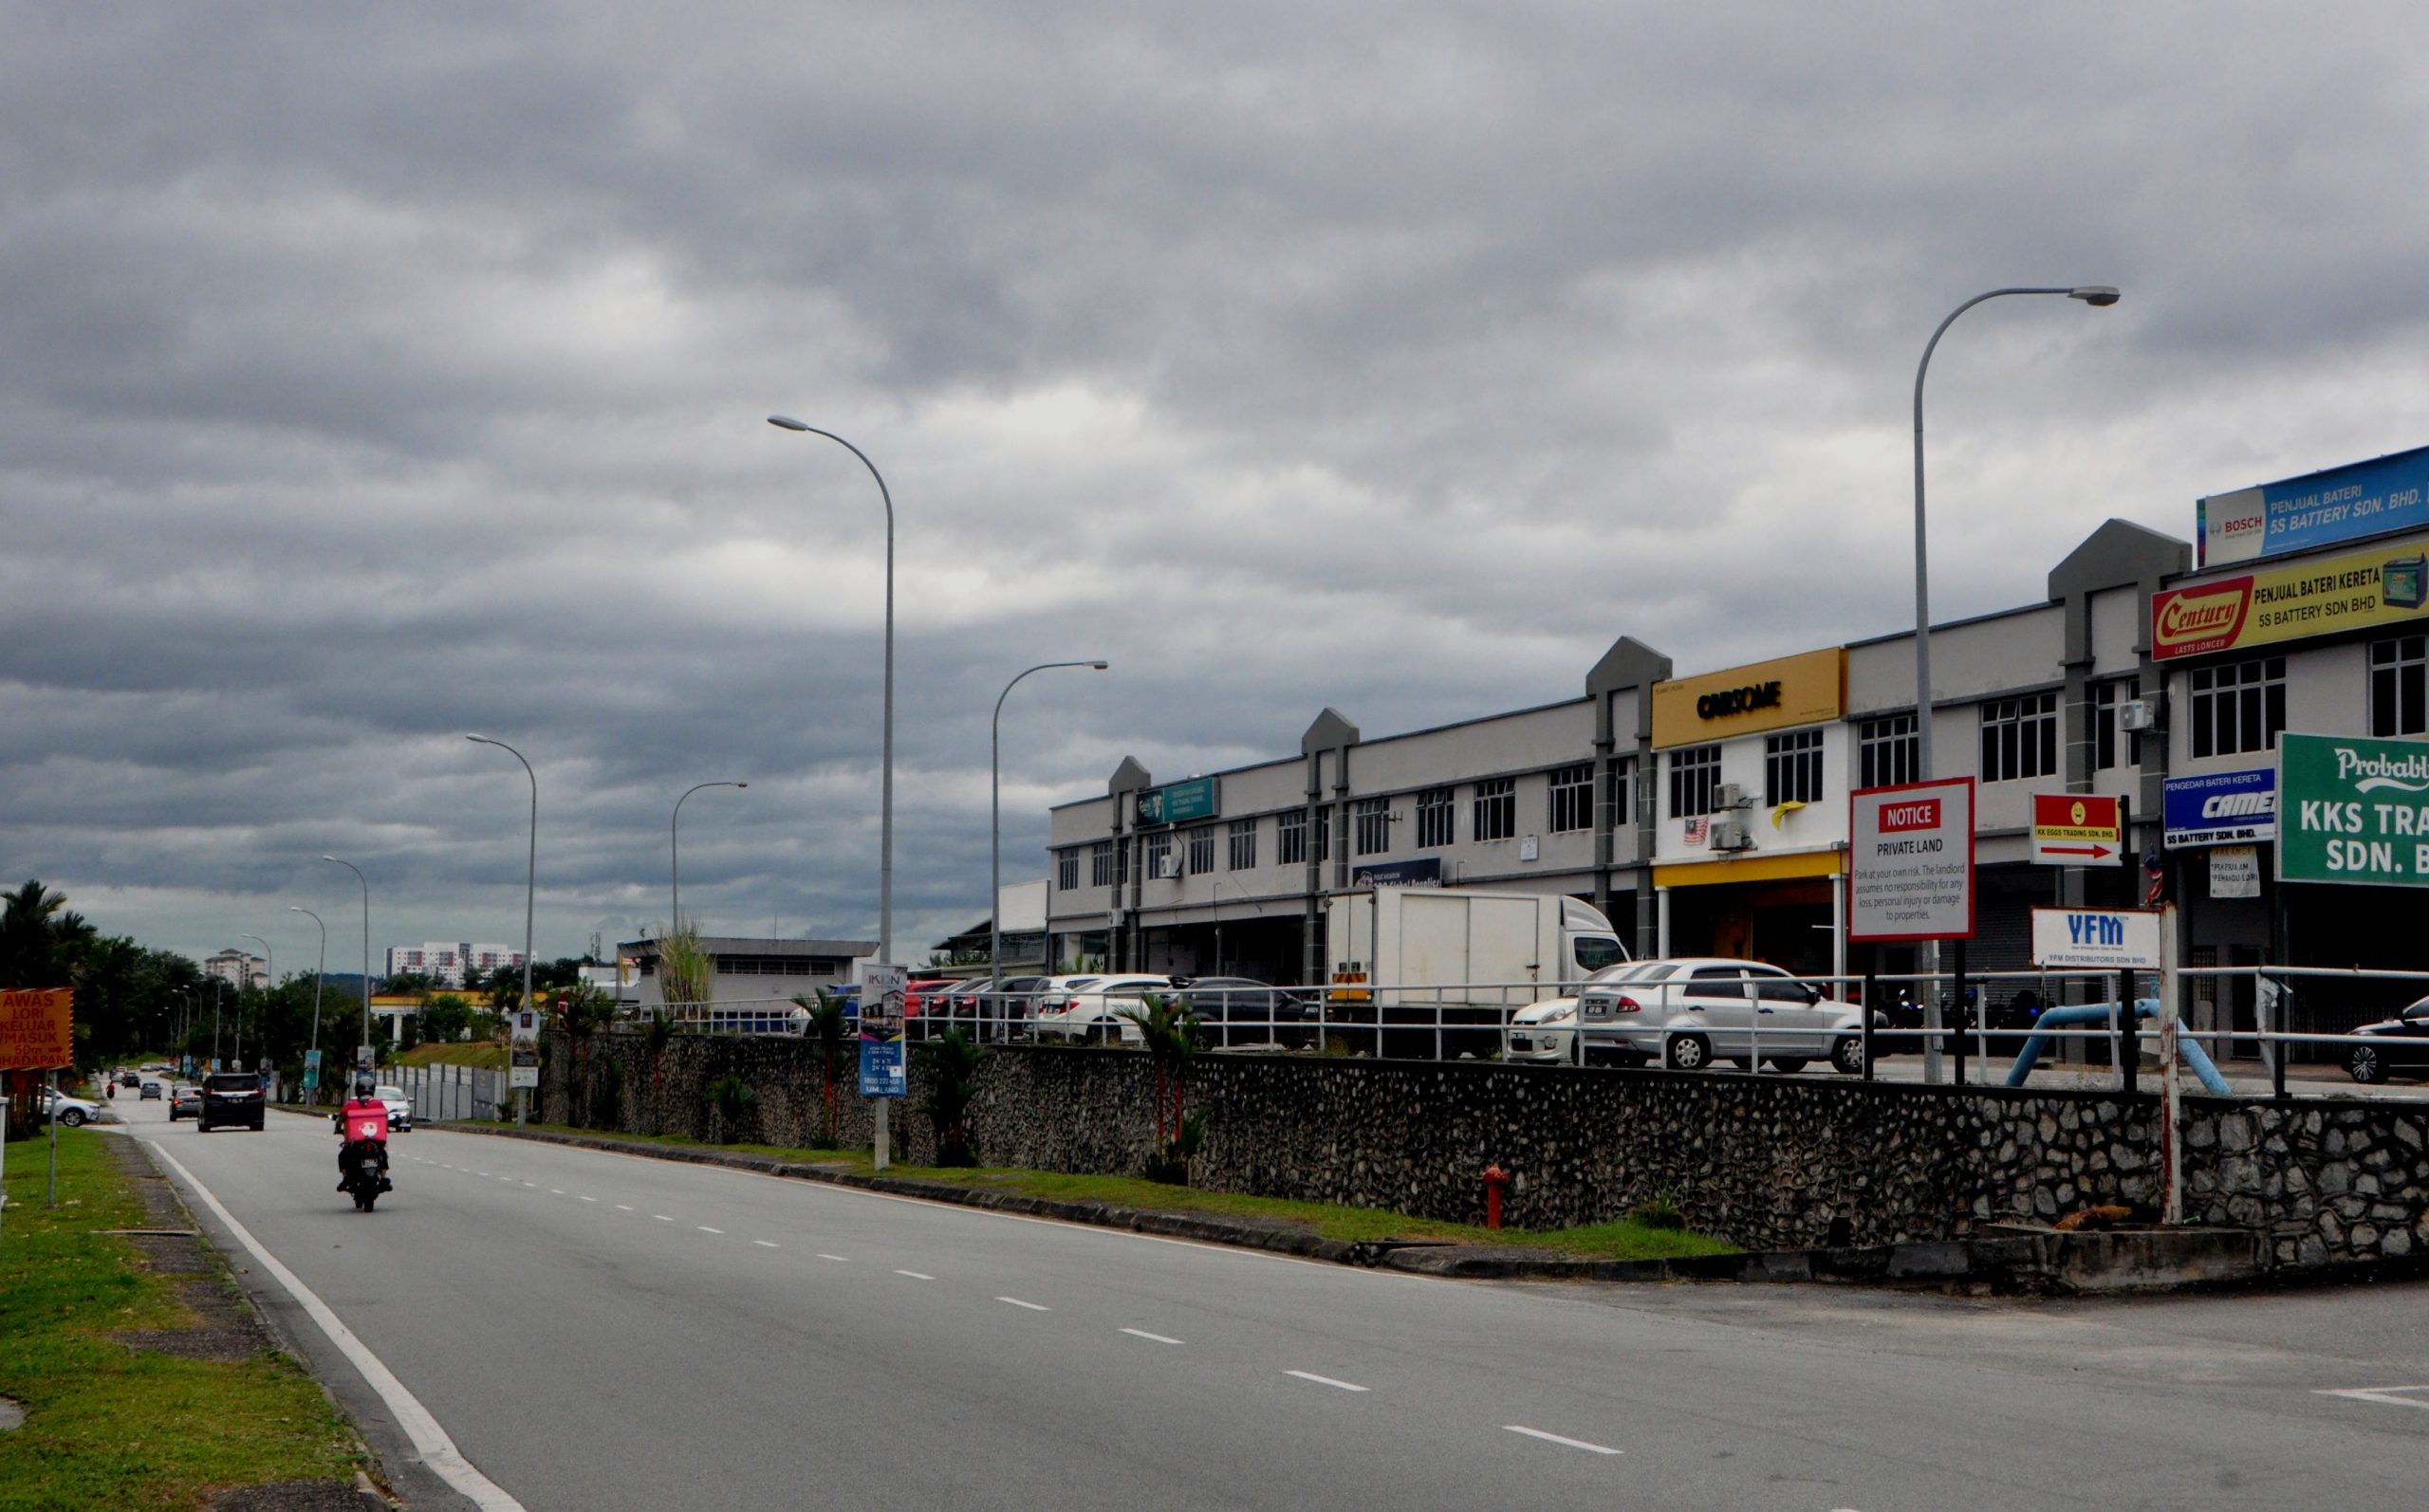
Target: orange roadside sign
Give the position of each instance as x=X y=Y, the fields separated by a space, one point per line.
x=37 y=1028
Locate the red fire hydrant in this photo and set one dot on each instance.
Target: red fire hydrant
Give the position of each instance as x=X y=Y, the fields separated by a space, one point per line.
x=1494 y=1179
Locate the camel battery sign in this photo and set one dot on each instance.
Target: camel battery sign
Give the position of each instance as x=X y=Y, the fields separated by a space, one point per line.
x=2352 y=810
x=2076 y=829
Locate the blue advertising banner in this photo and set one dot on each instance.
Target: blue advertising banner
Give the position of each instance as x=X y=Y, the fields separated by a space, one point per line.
x=883 y=987
x=2317 y=510
x=881 y=1071
x=2222 y=808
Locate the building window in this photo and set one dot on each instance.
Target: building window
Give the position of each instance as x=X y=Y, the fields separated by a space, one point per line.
x=1290 y=837
x=1433 y=809
x=2019 y=737
x=2238 y=707
x=2398 y=682
x=1886 y=749
x=1694 y=773
x=1067 y=871
x=2109 y=742
x=1616 y=797
x=1792 y=768
x=1202 y=850
x=1323 y=834
x=1121 y=862
x=1496 y=808
x=1374 y=818
x=1572 y=798
x=1243 y=845
x=1159 y=852
x=1101 y=864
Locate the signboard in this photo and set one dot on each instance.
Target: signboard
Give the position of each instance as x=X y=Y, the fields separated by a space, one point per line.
x=2354 y=810
x=1179 y=803
x=2317 y=510
x=37 y=1028
x=2096 y=939
x=1910 y=861
x=1425 y=873
x=524 y=1071
x=1804 y=690
x=525 y=1023
x=311 y=1070
x=2076 y=829
x=2358 y=590
x=2220 y=808
x=2235 y=871
x=882 y=989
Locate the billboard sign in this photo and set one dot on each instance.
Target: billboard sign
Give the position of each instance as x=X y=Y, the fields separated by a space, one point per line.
x=1179 y=803
x=1427 y=872
x=2076 y=829
x=2096 y=939
x=2222 y=808
x=2317 y=510
x=2353 y=810
x=882 y=991
x=37 y=1028
x=2358 y=590
x=1910 y=861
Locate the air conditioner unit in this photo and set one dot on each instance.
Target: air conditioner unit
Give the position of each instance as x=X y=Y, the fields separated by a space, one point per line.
x=1730 y=795
x=2138 y=715
x=1728 y=833
x=1169 y=868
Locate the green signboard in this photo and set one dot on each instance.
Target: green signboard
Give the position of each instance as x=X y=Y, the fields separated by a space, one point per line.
x=1179 y=803
x=2352 y=810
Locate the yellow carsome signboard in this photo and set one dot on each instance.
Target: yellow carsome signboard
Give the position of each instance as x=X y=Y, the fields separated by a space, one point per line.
x=1804 y=690
x=2354 y=590
x=37 y=1028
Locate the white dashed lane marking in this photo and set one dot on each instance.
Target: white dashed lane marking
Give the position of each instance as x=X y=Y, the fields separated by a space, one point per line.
x=706 y=1229
x=661 y=1218
x=915 y=1275
x=765 y=1244
x=823 y=1255
x=1555 y=1438
x=2384 y=1395
x=623 y=1207
x=1035 y=1307
x=1151 y=1338
x=1327 y=1381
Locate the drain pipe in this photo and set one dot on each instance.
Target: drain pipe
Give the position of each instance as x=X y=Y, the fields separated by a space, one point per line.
x=2188 y=1050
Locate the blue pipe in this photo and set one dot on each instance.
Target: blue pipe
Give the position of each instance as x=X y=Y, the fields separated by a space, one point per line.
x=2188 y=1048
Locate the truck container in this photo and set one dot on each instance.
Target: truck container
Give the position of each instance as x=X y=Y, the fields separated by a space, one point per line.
x=1444 y=967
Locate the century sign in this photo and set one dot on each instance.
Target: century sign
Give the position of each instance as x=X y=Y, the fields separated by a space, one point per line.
x=2352 y=810
x=1910 y=861
x=2358 y=590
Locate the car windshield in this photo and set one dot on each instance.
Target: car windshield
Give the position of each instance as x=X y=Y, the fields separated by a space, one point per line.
x=395 y=1093
x=1595 y=951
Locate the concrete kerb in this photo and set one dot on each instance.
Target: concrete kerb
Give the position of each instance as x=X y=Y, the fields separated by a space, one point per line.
x=2004 y=1262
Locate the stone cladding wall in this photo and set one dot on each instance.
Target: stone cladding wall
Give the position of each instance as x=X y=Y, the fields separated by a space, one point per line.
x=2327 y=1181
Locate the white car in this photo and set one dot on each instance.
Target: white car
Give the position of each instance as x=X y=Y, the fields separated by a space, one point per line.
x=71 y=1112
x=400 y=1108
x=1091 y=1012
x=1544 y=1033
x=1690 y=1010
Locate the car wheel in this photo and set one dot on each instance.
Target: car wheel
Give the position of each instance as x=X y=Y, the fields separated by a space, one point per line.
x=73 y=1117
x=1688 y=1052
x=2367 y=1064
x=1848 y=1055
x=1790 y=1066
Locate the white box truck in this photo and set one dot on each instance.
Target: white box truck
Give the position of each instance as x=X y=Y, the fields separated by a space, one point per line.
x=1453 y=964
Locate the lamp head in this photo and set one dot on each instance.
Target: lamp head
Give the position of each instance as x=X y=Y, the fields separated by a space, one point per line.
x=1100 y=666
x=742 y=785
x=482 y=739
x=2098 y=296
x=785 y=422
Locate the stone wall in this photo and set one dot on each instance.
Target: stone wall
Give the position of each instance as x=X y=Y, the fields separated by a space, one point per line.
x=1774 y=1162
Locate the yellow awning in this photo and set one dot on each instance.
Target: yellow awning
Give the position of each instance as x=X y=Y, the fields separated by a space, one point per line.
x=1751 y=869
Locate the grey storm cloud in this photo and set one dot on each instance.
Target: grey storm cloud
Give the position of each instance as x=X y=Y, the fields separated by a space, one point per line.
x=374 y=374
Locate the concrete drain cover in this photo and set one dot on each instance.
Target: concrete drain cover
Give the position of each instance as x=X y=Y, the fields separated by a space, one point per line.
x=12 y=1414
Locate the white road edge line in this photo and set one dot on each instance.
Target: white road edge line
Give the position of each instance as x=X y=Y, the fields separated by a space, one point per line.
x=2384 y=1395
x=1035 y=1307
x=1555 y=1438
x=1327 y=1381
x=438 y=1451
x=1152 y=1338
x=915 y=1275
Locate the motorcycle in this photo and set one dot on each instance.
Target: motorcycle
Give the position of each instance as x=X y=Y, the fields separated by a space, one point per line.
x=366 y=1172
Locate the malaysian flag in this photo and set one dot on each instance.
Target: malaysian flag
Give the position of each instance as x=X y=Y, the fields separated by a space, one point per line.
x=1698 y=830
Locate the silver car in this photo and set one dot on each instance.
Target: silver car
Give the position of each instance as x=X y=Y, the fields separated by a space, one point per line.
x=1690 y=1010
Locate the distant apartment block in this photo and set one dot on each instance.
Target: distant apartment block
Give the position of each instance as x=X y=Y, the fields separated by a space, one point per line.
x=238 y=970
x=445 y=962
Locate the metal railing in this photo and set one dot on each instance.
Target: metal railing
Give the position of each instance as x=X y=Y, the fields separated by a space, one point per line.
x=442 y=1092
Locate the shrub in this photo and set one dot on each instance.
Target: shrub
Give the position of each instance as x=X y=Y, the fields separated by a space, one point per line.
x=732 y=1100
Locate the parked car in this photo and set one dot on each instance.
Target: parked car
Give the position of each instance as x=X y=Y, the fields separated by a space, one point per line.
x=1544 y=1032
x=72 y=1113
x=1233 y=1010
x=186 y=1102
x=231 y=1098
x=151 y=1092
x=2399 y=1046
x=400 y=1108
x=1093 y=1014
x=919 y=994
x=1051 y=990
x=1704 y=1008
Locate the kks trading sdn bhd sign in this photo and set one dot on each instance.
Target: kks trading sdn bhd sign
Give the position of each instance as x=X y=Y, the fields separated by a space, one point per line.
x=2360 y=590
x=2352 y=810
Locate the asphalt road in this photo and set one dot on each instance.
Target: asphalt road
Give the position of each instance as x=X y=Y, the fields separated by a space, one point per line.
x=601 y=1332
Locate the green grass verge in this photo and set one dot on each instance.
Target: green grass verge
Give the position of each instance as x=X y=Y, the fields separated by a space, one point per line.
x=110 y=1427
x=483 y=1054
x=1620 y=1238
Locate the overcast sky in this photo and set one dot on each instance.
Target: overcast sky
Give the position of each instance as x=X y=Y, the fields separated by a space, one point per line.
x=373 y=374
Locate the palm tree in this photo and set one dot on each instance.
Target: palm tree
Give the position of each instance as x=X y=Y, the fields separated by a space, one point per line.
x=1170 y=1031
x=953 y=1060
x=29 y=934
x=828 y=1028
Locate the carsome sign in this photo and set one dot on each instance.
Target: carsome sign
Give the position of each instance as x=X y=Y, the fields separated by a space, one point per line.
x=2352 y=810
x=1910 y=861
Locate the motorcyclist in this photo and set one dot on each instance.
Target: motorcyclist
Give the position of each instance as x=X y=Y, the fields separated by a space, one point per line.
x=362 y=1121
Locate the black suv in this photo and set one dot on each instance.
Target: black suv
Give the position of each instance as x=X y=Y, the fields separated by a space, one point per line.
x=231 y=1097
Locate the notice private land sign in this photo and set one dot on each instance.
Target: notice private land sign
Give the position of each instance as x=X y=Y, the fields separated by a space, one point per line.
x=1910 y=863
x=2352 y=810
x=37 y=1028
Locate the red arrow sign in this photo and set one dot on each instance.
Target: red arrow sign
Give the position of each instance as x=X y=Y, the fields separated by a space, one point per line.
x=2095 y=852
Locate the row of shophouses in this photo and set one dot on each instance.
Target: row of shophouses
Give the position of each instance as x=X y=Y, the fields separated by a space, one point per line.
x=1709 y=814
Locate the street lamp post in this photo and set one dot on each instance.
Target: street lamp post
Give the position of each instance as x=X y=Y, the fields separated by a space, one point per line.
x=885 y=769
x=531 y=896
x=674 y=849
x=318 y=972
x=364 y=1051
x=995 y=829
x=269 y=964
x=2098 y=296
